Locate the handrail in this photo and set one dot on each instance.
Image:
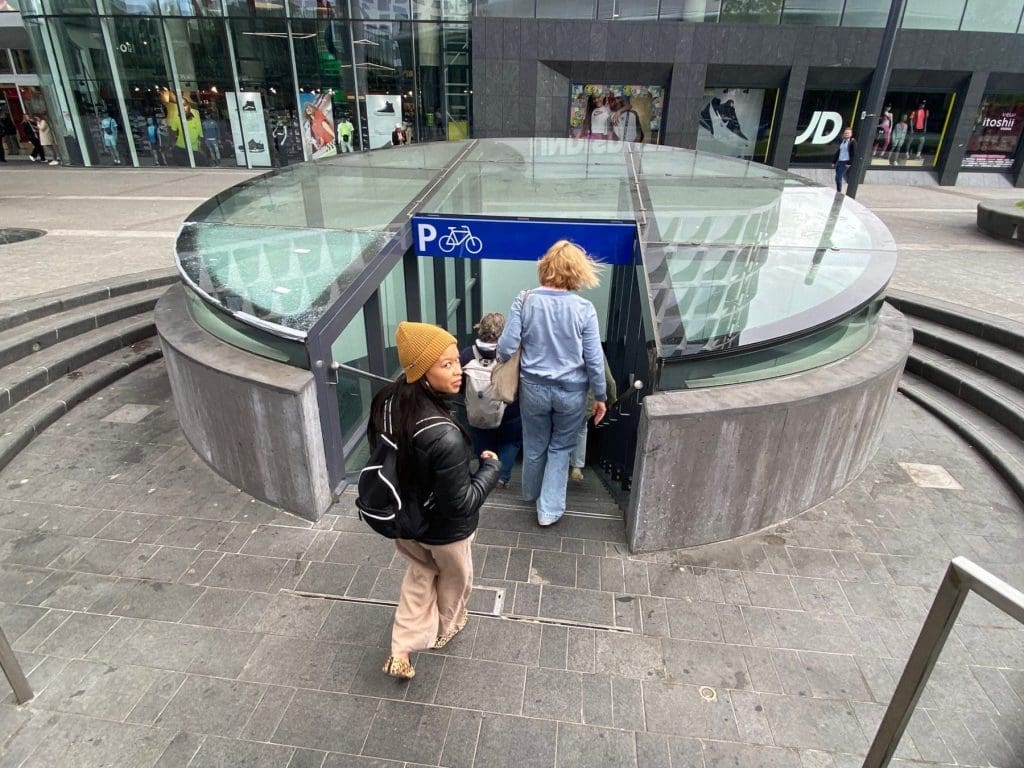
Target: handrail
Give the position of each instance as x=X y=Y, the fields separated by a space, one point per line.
x=962 y=577
x=12 y=671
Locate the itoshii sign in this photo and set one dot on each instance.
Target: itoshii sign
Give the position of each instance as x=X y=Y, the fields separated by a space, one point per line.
x=610 y=242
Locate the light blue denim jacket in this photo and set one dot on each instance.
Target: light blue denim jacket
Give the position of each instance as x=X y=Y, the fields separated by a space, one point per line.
x=561 y=340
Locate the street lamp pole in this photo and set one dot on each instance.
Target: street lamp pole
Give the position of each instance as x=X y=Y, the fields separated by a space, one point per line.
x=876 y=99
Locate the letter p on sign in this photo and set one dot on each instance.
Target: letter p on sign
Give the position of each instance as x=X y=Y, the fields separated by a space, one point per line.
x=425 y=233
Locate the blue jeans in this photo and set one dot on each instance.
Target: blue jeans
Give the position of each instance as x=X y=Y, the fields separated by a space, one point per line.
x=578 y=457
x=504 y=440
x=841 y=168
x=551 y=422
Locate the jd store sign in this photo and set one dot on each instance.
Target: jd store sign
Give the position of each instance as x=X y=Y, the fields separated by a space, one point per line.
x=823 y=115
x=610 y=242
x=824 y=128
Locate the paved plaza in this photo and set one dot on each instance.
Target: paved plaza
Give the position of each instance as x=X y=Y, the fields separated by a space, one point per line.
x=167 y=619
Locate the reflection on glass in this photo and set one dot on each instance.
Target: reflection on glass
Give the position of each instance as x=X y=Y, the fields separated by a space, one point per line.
x=283 y=276
x=865 y=13
x=628 y=9
x=354 y=393
x=933 y=14
x=751 y=11
x=992 y=15
x=820 y=13
x=505 y=8
x=393 y=310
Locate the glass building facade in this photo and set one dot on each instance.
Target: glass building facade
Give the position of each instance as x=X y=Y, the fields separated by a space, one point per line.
x=250 y=83
x=268 y=83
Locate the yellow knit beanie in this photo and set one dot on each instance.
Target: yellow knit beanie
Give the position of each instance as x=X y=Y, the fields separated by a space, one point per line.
x=419 y=346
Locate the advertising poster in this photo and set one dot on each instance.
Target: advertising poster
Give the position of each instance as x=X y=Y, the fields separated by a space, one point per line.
x=823 y=115
x=248 y=128
x=624 y=112
x=996 y=134
x=383 y=113
x=730 y=122
x=317 y=125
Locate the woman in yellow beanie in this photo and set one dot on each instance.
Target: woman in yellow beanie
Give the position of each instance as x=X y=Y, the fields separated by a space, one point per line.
x=434 y=456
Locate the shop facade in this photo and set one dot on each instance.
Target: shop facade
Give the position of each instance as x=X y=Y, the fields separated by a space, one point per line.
x=264 y=83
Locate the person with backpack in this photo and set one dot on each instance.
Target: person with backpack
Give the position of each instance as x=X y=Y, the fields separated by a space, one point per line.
x=435 y=481
x=493 y=425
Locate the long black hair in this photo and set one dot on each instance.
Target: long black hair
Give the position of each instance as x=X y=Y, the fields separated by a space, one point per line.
x=412 y=402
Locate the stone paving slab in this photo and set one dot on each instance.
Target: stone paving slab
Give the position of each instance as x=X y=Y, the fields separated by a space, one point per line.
x=166 y=619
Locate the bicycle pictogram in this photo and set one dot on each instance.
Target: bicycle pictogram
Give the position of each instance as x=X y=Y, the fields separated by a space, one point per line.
x=460 y=236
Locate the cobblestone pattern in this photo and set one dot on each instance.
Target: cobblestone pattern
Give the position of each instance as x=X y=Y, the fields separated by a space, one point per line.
x=151 y=606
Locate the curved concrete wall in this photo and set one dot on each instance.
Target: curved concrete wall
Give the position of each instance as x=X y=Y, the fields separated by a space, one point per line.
x=255 y=421
x=746 y=456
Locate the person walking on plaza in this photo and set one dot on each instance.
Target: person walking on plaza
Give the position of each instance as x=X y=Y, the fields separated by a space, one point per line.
x=211 y=138
x=29 y=129
x=434 y=470
x=505 y=439
x=843 y=158
x=9 y=135
x=46 y=139
x=561 y=358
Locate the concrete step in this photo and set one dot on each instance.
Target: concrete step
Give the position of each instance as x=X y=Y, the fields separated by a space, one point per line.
x=987 y=356
x=31 y=337
x=22 y=422
x=998 y=330
x=986 y=393
x=37 y=370
x=21 y=311
x=999 y=446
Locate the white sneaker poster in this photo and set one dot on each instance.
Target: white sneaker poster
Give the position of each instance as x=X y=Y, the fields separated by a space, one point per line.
x=248 y=129
x=730 y=122
x=383 y=112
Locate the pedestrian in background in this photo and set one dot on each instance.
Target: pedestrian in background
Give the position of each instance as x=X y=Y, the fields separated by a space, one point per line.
x=843 y=158
x=46 y=139
x=505 y=439
x=560 y=341
x=28 y=127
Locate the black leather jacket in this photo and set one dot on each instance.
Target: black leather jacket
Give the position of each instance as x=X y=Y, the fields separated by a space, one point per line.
x=450 y=495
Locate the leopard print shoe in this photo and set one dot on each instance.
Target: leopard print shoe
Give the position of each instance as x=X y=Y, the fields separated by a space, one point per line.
x=400 y=668
x=443 y=640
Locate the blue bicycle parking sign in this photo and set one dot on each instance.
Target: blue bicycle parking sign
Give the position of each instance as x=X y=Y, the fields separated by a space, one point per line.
x=610 y=242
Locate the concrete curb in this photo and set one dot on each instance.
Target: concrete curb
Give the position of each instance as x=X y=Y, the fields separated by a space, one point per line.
x=1002 y=220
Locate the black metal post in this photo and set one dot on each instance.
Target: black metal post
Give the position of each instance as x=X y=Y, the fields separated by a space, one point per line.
x=865 y=130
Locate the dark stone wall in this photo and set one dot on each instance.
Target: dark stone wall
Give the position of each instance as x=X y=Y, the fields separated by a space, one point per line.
x=522 y=70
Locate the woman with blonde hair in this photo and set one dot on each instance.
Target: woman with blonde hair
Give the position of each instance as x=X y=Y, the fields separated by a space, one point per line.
x=561 y=359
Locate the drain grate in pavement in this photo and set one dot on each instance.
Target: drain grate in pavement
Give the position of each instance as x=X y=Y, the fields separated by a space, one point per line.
x=479 y=605
x=10 y=235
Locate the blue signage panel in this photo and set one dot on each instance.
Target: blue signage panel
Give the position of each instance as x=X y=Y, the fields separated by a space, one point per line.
x=610 y=242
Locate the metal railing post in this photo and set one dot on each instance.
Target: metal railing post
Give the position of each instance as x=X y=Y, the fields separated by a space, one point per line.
x=12 y=671
x=961 y=578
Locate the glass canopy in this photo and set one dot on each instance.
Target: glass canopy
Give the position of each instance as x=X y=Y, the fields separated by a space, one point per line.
x=738 y=256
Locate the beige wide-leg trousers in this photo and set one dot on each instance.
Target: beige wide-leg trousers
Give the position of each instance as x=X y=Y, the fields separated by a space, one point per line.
x=434 y=594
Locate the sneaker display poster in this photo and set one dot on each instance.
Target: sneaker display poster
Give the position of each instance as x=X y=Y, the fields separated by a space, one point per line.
x=248 y=128
x=383 y=112
x=730 y=121
x=317 y=125
x=996 y=134
x=630 y=112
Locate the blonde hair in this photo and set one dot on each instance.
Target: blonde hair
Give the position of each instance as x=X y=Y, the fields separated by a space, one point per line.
x=567 y=266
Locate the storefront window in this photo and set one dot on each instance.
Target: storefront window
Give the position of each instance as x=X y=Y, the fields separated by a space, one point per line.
x=616 y=112
x=326 y=90
x=251 y=8
x=995 y=138
x=190 y=7
x=865 y=13
x=506 y=8
x=751 y=11
x=737 y=122
x=384 y=62
x=627 y=9
x=823 y=115
x=933 y=14
x=992 y=15
x=5 y=62
x=23 y=61
x=821 y=13
x=396 y=10
x=911 y=129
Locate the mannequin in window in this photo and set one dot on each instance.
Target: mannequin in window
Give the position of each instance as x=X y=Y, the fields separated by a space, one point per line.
x=899 y=137
x=884 y=134
x=918 y=128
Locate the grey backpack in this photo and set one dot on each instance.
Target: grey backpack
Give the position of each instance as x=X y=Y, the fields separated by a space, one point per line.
x=483 y=410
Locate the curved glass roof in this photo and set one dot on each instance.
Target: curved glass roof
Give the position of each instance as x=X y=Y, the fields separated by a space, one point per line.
x=737 y=255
